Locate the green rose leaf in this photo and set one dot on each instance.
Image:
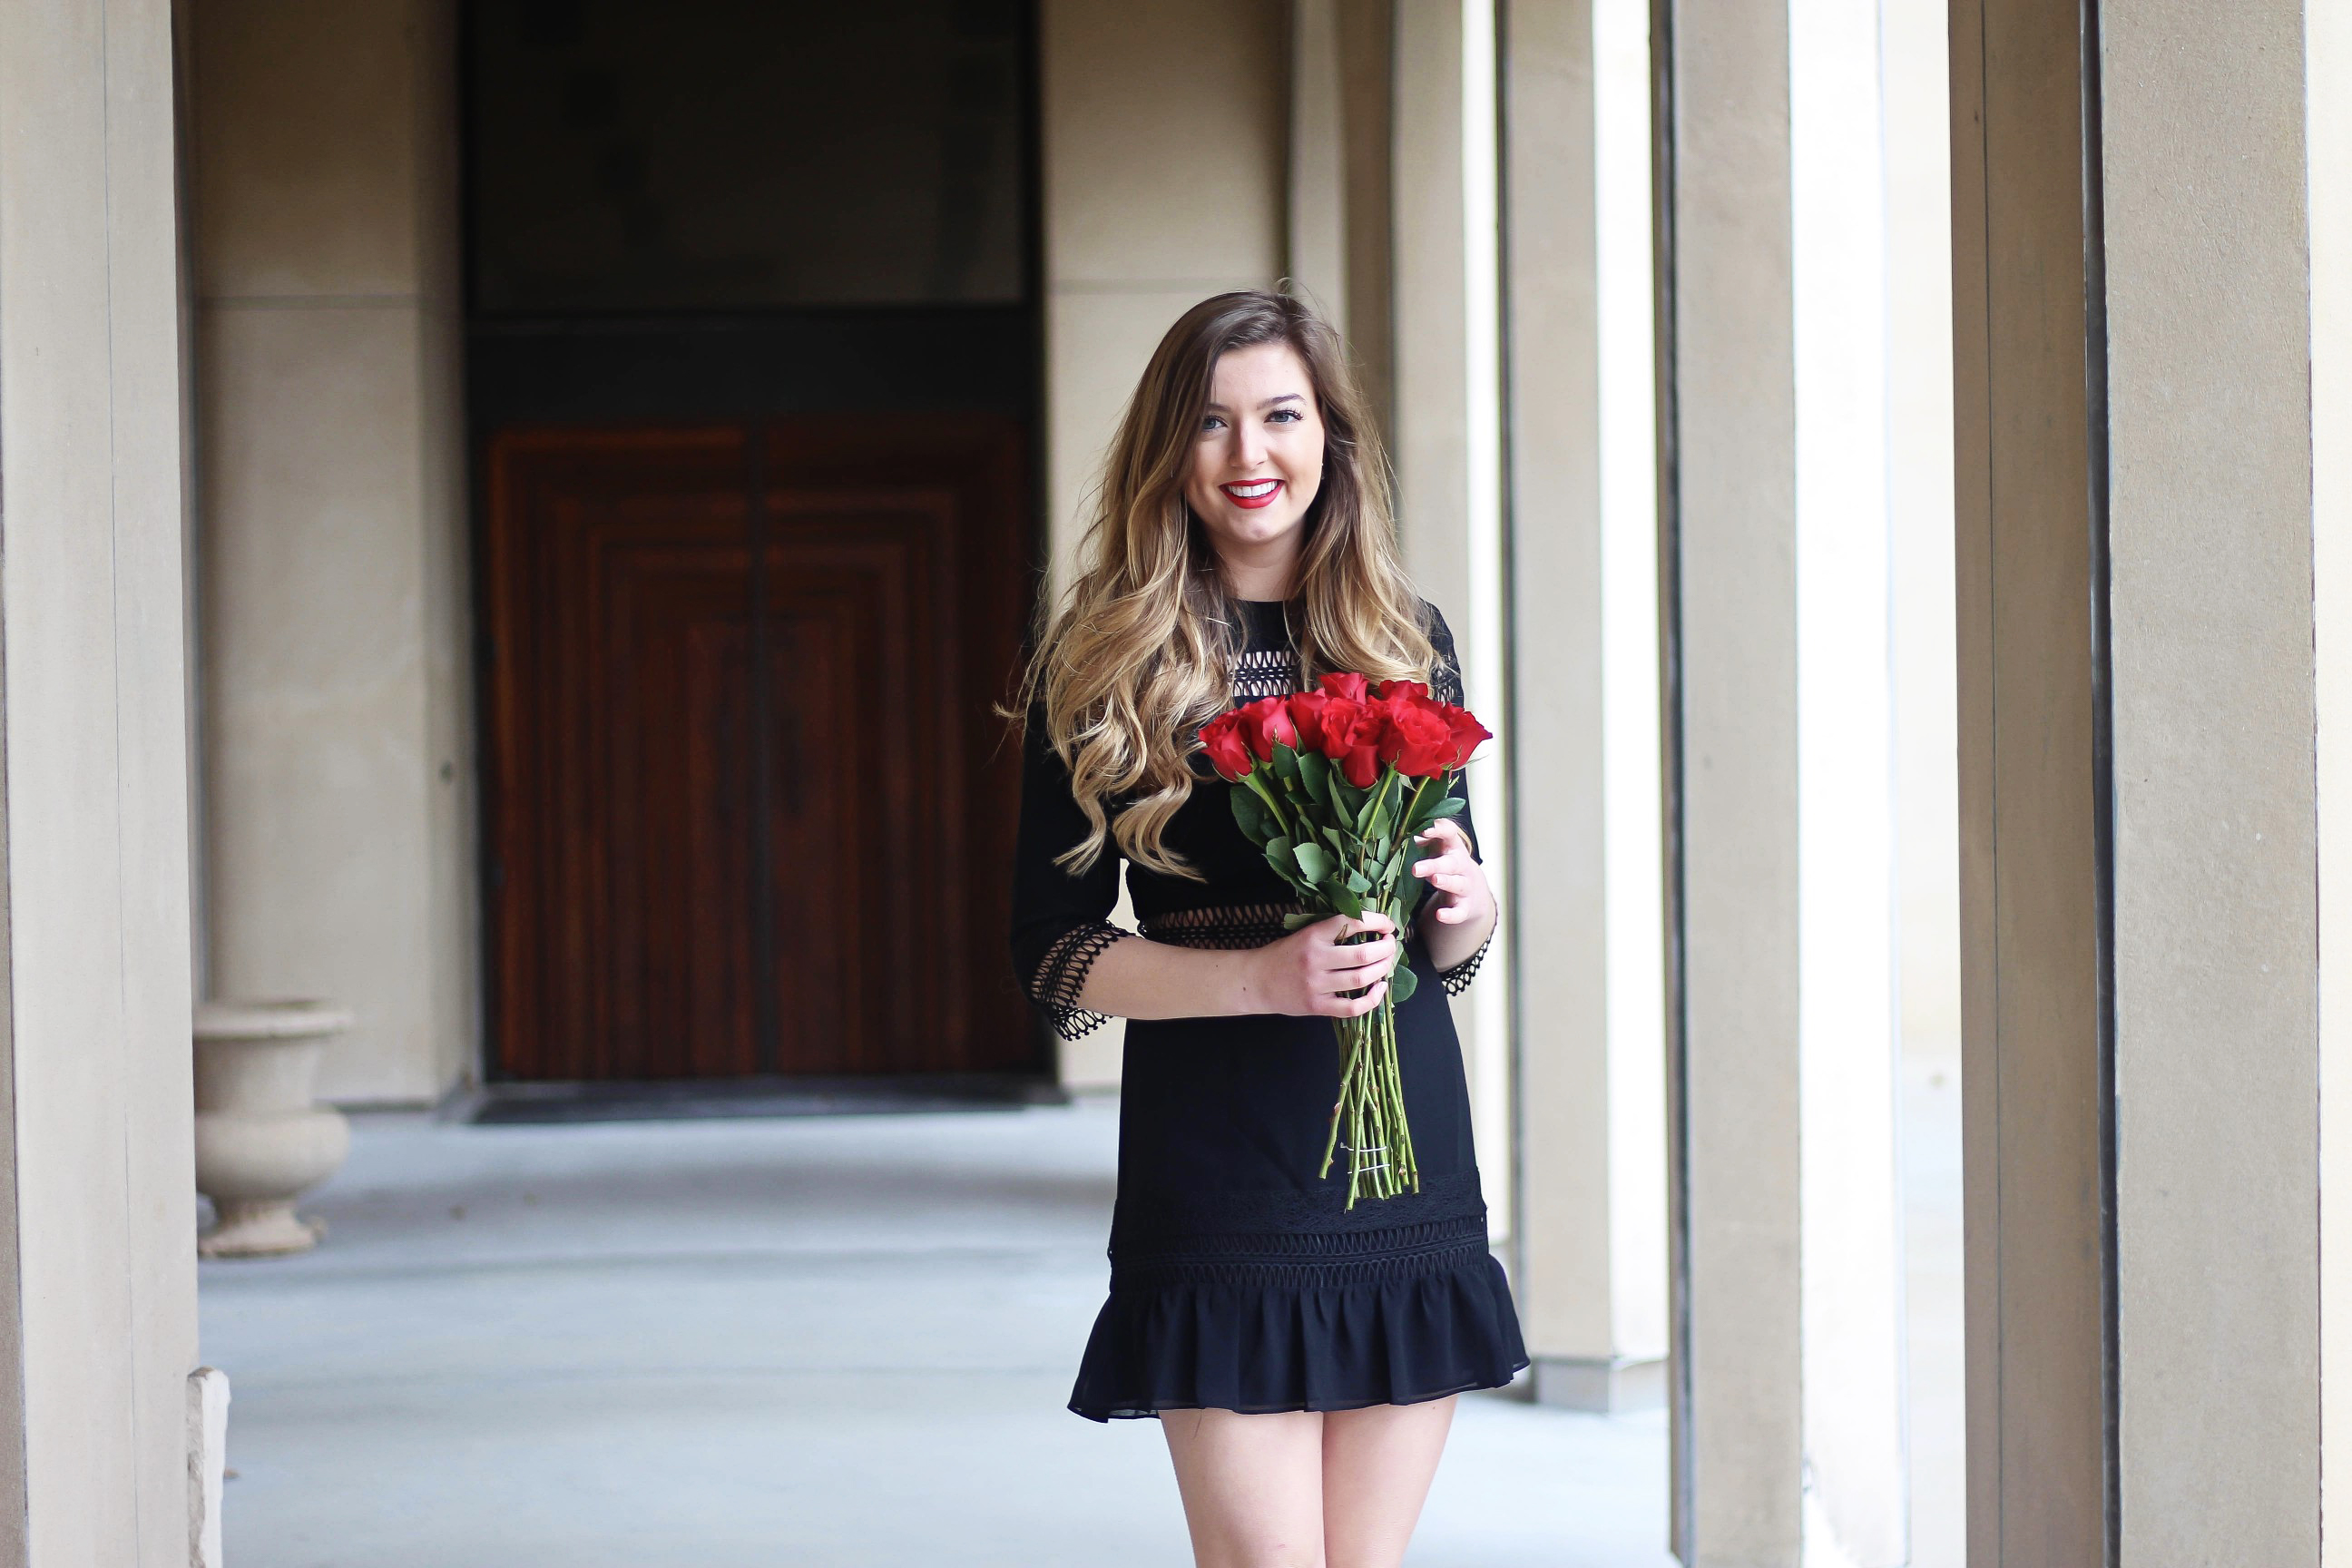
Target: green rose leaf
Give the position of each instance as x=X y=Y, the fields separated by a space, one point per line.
x=1315 y=772
x=1279 y=855
x=1314 y=861
x=1251 y=815
x=1443 y=805
x=1402 y=983
x=1299 y=920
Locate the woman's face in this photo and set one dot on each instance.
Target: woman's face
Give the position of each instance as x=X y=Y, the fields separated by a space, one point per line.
x=1257 y=463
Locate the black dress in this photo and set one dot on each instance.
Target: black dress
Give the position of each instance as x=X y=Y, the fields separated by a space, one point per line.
x=1238 y=1279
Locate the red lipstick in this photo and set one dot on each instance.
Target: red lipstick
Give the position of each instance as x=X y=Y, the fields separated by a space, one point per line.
x=1252 y=493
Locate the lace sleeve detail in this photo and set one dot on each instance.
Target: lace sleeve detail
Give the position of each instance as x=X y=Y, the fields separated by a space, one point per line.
x=1446 y=666
x=1458 y=979
x=1061 y=979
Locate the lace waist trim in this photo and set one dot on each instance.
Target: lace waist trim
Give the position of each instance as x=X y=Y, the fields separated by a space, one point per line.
x=1234 y=927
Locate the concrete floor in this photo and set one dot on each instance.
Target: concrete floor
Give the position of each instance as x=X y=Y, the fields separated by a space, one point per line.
x=840 y=1341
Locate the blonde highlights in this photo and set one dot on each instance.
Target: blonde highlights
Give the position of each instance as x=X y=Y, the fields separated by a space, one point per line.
x=1139 y=654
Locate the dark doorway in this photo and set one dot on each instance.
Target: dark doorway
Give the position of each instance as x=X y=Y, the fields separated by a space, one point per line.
x=752 y=371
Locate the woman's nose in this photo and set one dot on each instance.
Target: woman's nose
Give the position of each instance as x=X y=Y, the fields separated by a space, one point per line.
x=1249 y=446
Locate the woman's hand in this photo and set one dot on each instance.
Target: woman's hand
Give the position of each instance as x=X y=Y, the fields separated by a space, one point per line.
x=1459 y=914
x=1457 y=884
x=1308 y=972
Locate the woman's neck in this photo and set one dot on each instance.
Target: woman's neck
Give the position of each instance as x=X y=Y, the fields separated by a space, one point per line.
x=1265 y=582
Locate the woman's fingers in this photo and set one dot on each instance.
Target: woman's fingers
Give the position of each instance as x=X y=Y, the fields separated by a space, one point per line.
x=1376 y=955
x=1452 y=849
x=1342 y=926
x=1336 y=1006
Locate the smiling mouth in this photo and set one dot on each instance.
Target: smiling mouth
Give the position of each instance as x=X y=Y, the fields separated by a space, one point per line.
x=1253 y=493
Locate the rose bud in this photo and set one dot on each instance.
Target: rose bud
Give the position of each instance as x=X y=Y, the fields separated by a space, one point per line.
x=1306 y=712
x=1350 y=738
x=1230 y=754
x=1265 y=723
x=1467 y=732
x=1416 y=739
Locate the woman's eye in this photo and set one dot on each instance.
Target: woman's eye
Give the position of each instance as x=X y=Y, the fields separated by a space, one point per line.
x=1283 y=416
x=1210 y=422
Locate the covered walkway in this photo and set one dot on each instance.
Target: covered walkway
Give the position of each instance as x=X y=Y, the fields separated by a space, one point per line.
x=838 y=1340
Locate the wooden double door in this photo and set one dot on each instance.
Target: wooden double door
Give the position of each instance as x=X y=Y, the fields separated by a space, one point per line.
x=749 y=805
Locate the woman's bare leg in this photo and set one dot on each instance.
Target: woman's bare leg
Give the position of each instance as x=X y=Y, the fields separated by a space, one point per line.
x=1253 y=1486
x=1377 y=1467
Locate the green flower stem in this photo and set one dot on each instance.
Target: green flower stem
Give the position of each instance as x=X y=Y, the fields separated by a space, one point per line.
x=1351 y=1063
x=1255 y=779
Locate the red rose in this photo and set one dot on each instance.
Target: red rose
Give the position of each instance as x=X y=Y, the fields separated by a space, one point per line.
x=1221 y=737
x=1348 y=686
x=1415 y=737
x=1408 y=691
x=1306 y=712
x=1466 y=730
x=1265 y=725
x=1350 y=736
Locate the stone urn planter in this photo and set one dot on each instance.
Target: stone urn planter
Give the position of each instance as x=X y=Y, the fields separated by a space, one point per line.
x=261 y=1140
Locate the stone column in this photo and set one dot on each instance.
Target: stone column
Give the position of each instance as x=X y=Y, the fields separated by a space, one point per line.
x=2210 y=443
x=1164 y=179
x=1342 y=71
x=1582 y=510
x=2328 y=47
x=337 y=720
x=98 y=1321
x=1788 y=1385
x=1447 y=440
x=2140 y=814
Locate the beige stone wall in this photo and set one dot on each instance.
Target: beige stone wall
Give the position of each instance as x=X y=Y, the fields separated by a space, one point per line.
x=97 y=1322
x=1165 y=158
x=336 y=757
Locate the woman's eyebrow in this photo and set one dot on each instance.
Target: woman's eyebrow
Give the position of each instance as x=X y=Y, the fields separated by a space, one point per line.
x=1285 y=397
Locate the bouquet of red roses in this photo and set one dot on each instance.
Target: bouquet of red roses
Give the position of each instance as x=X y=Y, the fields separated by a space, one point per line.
x=1334 y=785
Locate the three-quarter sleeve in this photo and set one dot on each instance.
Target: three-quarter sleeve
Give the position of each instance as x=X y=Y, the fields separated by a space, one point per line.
x=1060 y=918
x=1446 y=685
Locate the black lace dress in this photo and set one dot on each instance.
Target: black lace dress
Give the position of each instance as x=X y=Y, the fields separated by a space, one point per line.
x=1238 y=1279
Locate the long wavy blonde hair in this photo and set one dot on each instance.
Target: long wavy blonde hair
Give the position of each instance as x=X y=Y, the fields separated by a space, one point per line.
x=1139 y=654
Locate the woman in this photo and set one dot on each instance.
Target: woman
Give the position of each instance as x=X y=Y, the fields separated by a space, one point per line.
x=1303 y=1359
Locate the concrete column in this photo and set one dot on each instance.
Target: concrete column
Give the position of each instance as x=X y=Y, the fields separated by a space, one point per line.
x=338 y=735
x=98 y=1328
x=1789 y=1407
x=2327 y=43
x=1165 y=174
x=1582 y=507
x=1317 y=263
x=2139 y=815
x=1448 y=446
x=1341 y=113
x=2209 y=444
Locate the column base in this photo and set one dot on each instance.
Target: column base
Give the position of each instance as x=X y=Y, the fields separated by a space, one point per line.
x=1608 y=1385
